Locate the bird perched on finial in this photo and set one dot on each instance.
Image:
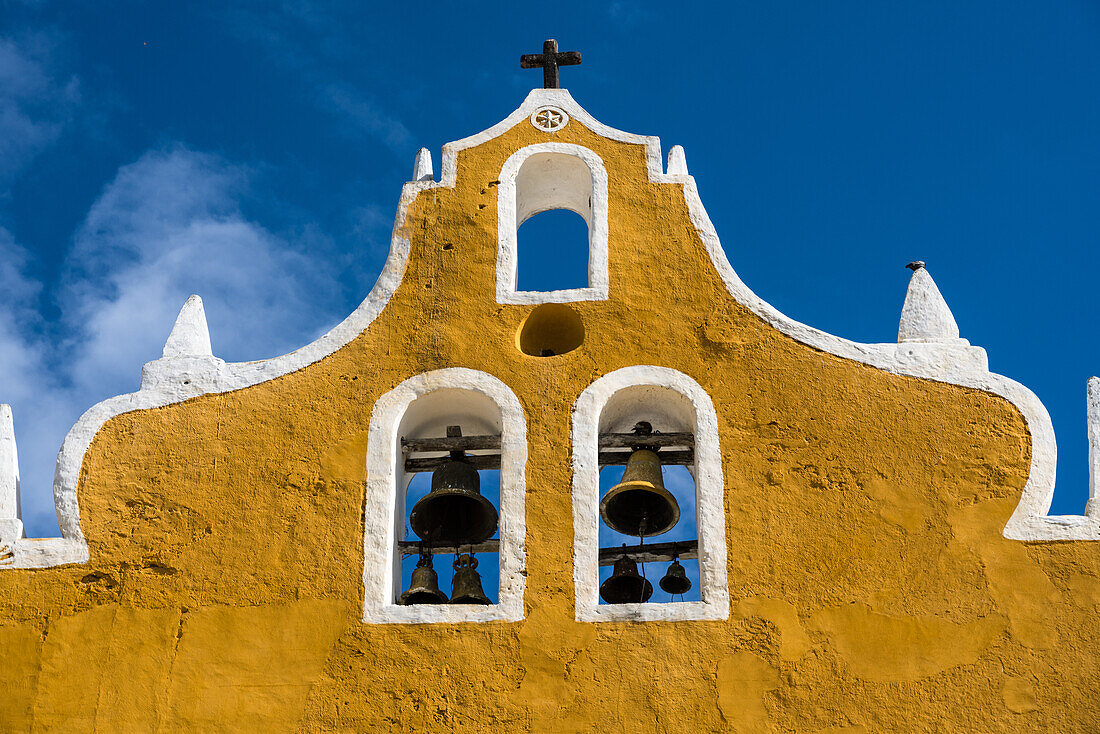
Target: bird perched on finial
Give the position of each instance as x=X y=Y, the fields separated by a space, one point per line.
x=915 y=265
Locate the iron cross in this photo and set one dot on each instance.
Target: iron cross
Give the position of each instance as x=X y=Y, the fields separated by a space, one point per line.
x=550 y=60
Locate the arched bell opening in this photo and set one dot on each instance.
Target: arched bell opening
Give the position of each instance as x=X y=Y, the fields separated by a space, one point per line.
x=648 y=527
x=564 y=257
x=449 y=471
x=552 y=249
x=550 y=330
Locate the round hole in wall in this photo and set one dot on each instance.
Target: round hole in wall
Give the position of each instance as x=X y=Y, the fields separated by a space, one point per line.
x=551 y=329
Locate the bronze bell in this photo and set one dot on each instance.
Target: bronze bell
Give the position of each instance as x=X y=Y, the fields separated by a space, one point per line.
x=675 y=580
x=423 y=586
x=626 y=585
x=466 y=586
x=640 y=505
x=454 y=512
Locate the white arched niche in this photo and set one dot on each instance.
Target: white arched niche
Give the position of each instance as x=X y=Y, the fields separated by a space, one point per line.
x=423 y=406
x=540 y=178
x=672 y=402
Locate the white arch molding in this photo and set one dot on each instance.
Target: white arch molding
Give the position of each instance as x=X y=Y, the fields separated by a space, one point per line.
x=425 y=404
x=539 y=178
x=672 y=401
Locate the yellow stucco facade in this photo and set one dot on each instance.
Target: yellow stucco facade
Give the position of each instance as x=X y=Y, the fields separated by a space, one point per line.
x=870 y=586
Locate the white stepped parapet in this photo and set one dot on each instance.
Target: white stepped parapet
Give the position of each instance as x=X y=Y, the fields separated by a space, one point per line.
x=11 y=526
x=677 y=162
x=190 y=335
x=422 y=168
x=925 y=316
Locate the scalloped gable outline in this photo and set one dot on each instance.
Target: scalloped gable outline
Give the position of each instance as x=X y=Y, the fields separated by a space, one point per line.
x=953 y=364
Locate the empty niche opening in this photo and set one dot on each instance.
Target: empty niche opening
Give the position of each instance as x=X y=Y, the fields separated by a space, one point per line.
x=552 y=249
x=433 y=425
x=549 y=330
x=648 y=529
x=554 y=223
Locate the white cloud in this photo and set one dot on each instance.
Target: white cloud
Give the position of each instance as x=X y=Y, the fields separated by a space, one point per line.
x=313 y=45
x=21 y=357
x=33 y=104
x=366 y=115
x=168 y=225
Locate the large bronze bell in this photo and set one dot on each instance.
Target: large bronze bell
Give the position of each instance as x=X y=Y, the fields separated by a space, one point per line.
x=626 y=585
x=466 y=586
x=675 y=580
x=423 y=586
x=454 y=512
x=640 y=505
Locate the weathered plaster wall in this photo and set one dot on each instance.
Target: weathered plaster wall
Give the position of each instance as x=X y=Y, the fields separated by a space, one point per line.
x=870 y=586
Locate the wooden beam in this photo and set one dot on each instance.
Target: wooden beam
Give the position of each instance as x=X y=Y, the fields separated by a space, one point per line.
x=668 y=458
x=450 y=443
x=652 y=441
x=412 y=548
x=651 y=552
x=648 y=553
x=478 y=461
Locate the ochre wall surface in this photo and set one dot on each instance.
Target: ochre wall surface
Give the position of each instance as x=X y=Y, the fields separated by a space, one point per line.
x=870 y=587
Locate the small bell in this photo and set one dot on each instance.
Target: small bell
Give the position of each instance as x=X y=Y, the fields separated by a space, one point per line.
x=466 y=585
x=455 y=512
x=626 y=585
x=675 y=580
x=424 y=585
x=640 y=505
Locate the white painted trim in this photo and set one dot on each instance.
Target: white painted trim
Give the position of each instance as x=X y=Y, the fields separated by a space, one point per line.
x=508 y=223
x=955 y=364
x=709 y=501
x=381 y=515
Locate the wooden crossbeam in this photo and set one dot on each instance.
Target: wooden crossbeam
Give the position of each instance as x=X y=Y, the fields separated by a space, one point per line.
x=660 y=442
x=412 y=548
x=668 y=458
x=651 y=552
x=648 y=553
x=478 y=461
x=652 y=441
x=449 y=443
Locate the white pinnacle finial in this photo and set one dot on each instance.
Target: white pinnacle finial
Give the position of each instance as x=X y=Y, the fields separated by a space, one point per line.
x=677 y=162
x=1093 y=391
x=190 y=336
x=11 y=528
x=422 y=169
x=925 y=316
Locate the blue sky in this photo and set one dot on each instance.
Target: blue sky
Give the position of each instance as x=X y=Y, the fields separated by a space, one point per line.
x=253 y=154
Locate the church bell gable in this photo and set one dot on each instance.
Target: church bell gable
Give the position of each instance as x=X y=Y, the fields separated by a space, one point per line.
x=649 y=498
